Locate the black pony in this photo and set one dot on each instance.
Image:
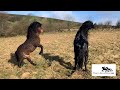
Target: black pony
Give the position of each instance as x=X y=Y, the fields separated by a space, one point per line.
x=81 y=45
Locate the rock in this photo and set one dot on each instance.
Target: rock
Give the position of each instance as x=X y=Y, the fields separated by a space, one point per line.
x=25 y=75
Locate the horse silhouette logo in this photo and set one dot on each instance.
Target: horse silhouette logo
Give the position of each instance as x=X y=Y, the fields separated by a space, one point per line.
x=106 y=69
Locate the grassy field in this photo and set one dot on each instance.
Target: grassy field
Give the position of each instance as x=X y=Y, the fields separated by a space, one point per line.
x=57 y=61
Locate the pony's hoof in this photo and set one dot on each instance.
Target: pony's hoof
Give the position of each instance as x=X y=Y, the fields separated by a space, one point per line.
x=34 y=64
x=74 y=68
x=19 y=66
x=40 y=53
x=85 y=70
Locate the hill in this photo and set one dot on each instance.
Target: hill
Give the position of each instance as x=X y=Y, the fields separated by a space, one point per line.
x=12 y=25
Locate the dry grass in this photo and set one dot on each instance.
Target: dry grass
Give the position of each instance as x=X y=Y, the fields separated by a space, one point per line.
x=57 y=61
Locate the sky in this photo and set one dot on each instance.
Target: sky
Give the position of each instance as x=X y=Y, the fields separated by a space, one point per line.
x=78 y=16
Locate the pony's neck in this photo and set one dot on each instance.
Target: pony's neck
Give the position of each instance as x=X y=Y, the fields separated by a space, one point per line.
x=84 y=33
x=32 y=35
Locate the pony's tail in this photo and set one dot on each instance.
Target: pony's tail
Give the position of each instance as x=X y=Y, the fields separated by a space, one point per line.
x=80 y=60
x=16 y=56
x=80 y=63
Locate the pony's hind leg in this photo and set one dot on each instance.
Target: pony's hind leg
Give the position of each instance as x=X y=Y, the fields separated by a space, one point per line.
x=80 y=63
x=76 y=60
x=19 y=60
x=75 y=64
x=86 y=61
x=20 y=63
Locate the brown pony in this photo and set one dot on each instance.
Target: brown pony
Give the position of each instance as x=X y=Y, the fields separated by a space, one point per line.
x=31 y=43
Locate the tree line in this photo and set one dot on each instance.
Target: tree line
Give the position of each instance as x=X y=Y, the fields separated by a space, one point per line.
x=12 y=25
x=108 y=24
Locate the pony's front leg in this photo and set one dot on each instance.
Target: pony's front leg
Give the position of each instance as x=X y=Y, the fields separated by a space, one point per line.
x=29 y=59
x=41 y=46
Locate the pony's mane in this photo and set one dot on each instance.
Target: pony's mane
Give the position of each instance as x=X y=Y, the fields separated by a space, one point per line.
x=32 y=29
x=83 y=30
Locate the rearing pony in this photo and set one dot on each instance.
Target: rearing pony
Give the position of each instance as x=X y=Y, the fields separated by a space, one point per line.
x=81 y=45
x=31 y=43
